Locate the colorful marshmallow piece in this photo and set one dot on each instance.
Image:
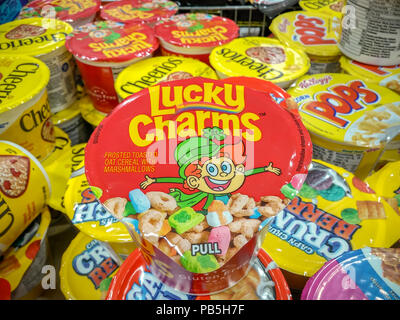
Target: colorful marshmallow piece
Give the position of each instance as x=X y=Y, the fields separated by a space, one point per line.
x=129 y=210
x=165 y=228
x=222 y=236
x=288 y=191
x=298 y=180
x=256 y=214
x=185 y=219
x=139 y=201
x=133 y=222
x=199 y=263
x=218 y=214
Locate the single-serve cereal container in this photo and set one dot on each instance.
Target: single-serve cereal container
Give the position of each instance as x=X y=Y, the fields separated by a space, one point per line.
x=76 y=13
x=260 y=57
x=134 y=281
x=196 y=197
x=330 y=7
x=24 y=191
x=148 y=12
x=315 y=33
x=22 y=264
x=351 y=121
x=87 y=267
x=44 y=39
x=25 y=115
x=194 y=35
x=155 y=70
x=102 y=50
x=334 y=213
x=364 y=274
x=89 y=113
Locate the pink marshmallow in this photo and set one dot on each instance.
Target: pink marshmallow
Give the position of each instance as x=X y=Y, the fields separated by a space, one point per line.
x=222 y=236
x=298 y=180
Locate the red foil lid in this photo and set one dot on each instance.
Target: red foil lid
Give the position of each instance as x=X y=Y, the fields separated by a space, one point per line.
x=141 y=11
x=197 y=30
x=113 y=42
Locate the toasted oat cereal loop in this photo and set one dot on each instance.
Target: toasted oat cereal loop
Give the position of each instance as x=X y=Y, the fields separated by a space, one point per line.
x=241 y=205
x=162 y=201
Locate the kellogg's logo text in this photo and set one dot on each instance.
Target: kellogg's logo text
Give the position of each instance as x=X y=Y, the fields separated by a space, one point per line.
x=311 y=31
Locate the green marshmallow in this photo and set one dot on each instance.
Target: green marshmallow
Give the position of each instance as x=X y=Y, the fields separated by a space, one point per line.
x=199 y=263
x=288 y=191
x=397 y=197
x=333 y=193
x=185 y=219
x=308 y=192
x=97 y=192
x=105 y=284
x=129 y=210
x=350 y=215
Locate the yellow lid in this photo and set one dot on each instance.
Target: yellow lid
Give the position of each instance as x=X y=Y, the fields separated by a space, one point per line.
x=335 y=212
x=20 y=256
x=259 y=57
x=21 y=79
x=88 y=215
x=66 y=114
x=345 y=109
x=89 y=113
x=84 y=265
x=331 y=7
x=33 y=36
x=388 y=76
x=315 y=33
x=148 y=72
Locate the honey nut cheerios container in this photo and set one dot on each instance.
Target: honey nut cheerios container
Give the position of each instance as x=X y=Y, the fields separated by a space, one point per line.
x=76 y=13
x=24 y=108
x=315 y=33
x=148 y=12
x=24 y=191
x=146 y=73
x=44 y=39
x=351 y=121
x=260 y=57
x=102 y=50
x=86 y=267
x=334 y=213
x=134 y=281
x=194 y=35
x=185 y=187
x=330 y=7
x=21 y=266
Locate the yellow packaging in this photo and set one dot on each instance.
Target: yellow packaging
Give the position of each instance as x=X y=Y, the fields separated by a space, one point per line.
x=350 y=121
x=17 y=266
x=314 y=32
x=334 y=213
x=331 y=7
x=84 y=265
x=260 y=57
x=148 y=72
x=24 y=191
x=89 y=112
x=78 y=157
x=24 y=108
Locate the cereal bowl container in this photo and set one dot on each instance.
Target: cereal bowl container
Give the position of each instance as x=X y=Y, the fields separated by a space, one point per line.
x=260 y=57
x=104 y=49
x=134 y=281
x=194 y=196
x=44 y=39
x=315 y=33
x=351 y=121
x=148 y=12
x=194 y=35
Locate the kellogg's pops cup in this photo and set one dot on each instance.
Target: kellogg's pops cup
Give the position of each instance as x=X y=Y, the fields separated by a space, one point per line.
x=196 y=196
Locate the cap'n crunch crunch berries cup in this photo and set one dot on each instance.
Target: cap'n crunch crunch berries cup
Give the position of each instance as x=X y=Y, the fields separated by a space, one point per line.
x=195 y=195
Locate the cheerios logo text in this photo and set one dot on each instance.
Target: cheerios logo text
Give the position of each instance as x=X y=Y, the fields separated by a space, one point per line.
x=311 y=31
x=13 y=44
x=6 y=217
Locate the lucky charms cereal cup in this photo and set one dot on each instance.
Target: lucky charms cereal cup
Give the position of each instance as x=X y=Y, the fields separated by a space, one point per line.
x=134 y=281
x=24 y=108
x=86 y=267
x=76 y=13
x=21 y=265
x=364 y=274
x=194 y=199
x=44 y=39
x=155 y=70
x=334 y=212
x=351 y=121
x=315 y=33
x=194 y=35
x=330 y=7
x=148 y=12
x=260 y=57
x=104 y=49
x=24 y=191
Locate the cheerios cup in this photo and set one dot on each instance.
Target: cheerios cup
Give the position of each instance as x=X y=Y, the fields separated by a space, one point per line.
x=330 y=7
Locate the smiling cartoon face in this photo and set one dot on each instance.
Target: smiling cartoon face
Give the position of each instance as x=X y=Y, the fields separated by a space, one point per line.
x=218 y=176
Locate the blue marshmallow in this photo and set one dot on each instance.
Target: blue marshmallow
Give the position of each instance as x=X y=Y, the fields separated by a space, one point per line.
x=139 y=200
x=256 y=214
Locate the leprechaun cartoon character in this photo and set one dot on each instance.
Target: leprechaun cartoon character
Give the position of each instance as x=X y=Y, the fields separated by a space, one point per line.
x=209 y=168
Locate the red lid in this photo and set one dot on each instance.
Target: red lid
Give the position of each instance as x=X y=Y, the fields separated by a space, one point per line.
x=143 y=11
x=67 y=10
x=114 y=42
x=197 y=30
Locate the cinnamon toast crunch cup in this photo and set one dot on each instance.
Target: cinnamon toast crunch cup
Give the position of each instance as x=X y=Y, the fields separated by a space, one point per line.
x=191 y=197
